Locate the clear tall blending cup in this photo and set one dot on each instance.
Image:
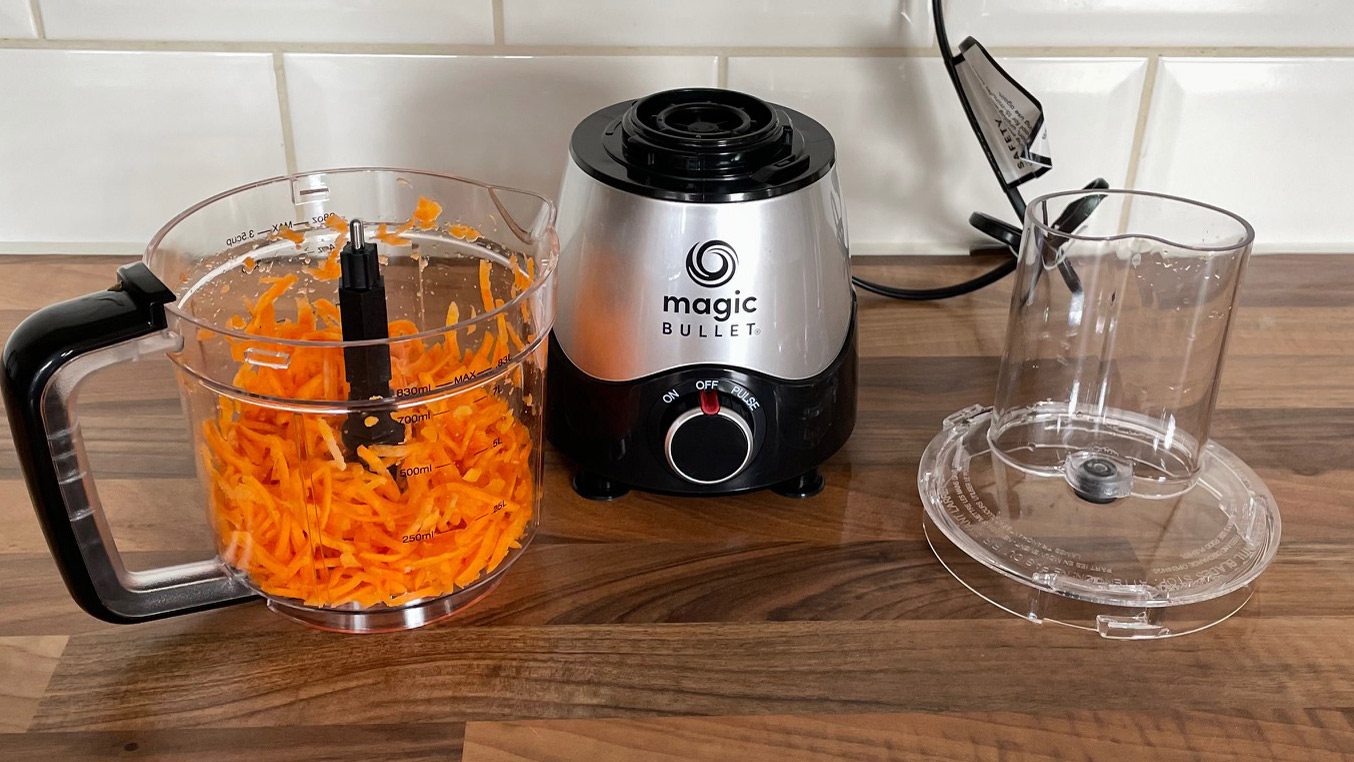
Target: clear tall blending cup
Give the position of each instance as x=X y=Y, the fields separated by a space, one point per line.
x=1090 y=493
x=1115 y=341
x=366 y=464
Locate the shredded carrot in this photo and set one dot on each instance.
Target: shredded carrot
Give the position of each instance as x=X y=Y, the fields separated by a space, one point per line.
x=426 y=213
x=394 y=237
x=332 y=269
x=339 y=226
x=464 y=232
x=304 y=517
x=291 y=235
x=486 y=293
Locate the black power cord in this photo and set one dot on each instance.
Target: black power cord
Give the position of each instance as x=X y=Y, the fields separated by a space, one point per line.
x=944 y=292
x=1005 y=234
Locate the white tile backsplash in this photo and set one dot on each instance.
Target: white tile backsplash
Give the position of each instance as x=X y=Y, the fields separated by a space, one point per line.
x=1269 y=139
x=364 y=21
x=145 y=106
x=105 y=147
x=1152 y=22
x=911 y=169
x=741 y=23
x=505 y=120
x=16 y=20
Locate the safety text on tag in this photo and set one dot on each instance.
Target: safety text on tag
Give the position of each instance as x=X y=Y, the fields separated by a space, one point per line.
x=1011 y=118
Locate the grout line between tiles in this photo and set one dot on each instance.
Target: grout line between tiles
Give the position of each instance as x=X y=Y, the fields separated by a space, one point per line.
x=498 y=22
x=1149 y=83
x=1205 y=51
x=194 y=46
x=722 y=72
x=35 y=8
x=284 y=112
x=500 y=48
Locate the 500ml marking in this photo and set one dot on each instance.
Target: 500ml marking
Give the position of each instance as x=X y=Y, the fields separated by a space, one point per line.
x=426 y=468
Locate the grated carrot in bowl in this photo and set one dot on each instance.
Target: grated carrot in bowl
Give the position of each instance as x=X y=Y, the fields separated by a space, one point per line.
x=302 y=517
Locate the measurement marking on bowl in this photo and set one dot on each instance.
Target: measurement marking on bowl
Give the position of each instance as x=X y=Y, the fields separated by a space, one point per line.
x=275 y=229
x=413 y=418
x=410 y=391
x=422 y=536
x=426 y=468
x=403 y=471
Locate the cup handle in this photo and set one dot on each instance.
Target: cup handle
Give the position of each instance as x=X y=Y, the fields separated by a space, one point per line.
x=44 y=361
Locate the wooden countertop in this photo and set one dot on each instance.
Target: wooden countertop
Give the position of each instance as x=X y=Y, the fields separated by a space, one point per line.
x=750 y=628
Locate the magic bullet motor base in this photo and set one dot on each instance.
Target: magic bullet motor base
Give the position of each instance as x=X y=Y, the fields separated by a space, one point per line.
x=643 y=434
x=705 y=338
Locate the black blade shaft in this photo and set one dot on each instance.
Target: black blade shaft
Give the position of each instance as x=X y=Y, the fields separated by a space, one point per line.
x=362 y=310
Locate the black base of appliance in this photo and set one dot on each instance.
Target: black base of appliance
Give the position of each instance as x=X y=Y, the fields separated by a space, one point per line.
x=645 y=434
x=595 y=487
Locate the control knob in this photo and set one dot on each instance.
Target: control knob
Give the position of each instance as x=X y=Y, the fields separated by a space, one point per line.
x=710 y=443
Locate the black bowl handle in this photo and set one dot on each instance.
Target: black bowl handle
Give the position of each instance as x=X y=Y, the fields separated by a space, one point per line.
x=44 y=362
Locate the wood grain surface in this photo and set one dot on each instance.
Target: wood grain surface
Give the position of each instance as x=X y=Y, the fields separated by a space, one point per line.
x=748 y=628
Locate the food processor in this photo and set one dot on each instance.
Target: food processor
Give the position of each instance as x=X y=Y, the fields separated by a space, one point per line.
x=1089 y=492
x=361 y=357
x=706 y=340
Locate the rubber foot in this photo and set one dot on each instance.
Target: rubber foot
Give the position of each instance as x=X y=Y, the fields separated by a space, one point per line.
x=594 y=487
x=807 y=484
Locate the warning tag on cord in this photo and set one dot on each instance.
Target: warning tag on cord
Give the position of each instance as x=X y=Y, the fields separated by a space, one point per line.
x=1011 y=119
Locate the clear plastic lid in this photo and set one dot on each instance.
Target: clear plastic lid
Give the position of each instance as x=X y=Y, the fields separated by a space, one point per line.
x=1092 y=478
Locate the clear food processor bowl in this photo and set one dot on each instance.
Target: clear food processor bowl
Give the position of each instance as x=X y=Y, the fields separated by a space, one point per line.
x=346 y=509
